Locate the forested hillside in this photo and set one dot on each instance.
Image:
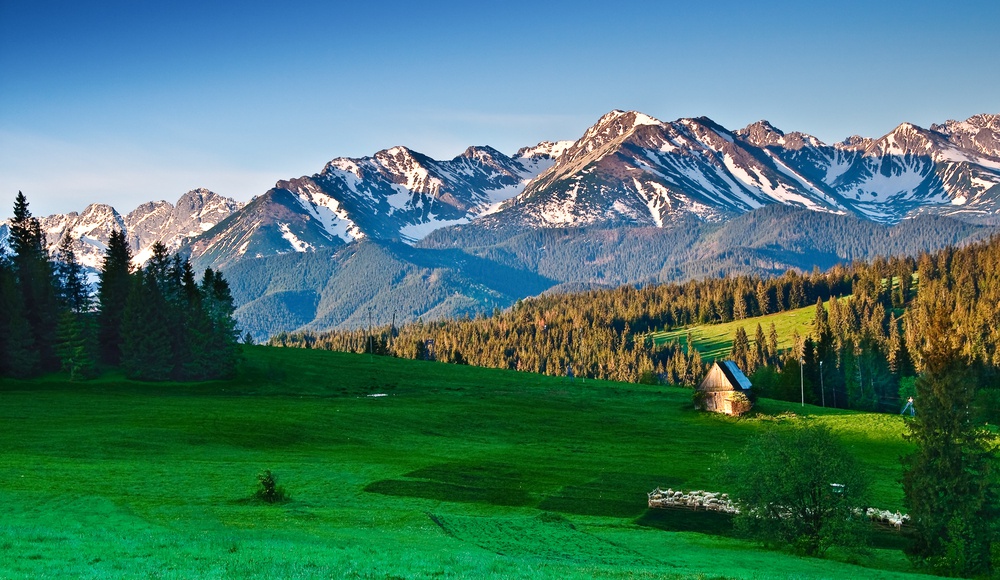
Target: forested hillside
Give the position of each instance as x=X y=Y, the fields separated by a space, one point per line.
x=467 y=270
x=869 y=345
x=765 y=242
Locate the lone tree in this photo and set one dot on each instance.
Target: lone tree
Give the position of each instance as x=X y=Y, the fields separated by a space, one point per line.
x=800 y=487
x=950 y=481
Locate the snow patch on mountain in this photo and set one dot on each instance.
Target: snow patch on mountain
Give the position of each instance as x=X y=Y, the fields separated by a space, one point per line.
x=547 y=149
x=418 y=231
x=297 y=244
x=329 y=213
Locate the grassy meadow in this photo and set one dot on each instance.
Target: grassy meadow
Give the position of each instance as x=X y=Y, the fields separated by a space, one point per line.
x=714 y=341
x=457 y=472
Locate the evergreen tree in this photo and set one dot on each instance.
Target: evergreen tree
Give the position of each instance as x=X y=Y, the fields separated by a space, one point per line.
x=112 y=294
x=950 y=481
x=75 y=345
x=74 y=292
x=224 y=335
x=74 y=340
x=760 y=352
x=36 y=283
x=740 y=351
x=772 y=345
x=146 y=341
x=18 y=357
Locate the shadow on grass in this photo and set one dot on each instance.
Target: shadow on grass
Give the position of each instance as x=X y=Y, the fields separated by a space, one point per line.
x=721 y=524
x=890 y=539
x=619 y=495
x=679 y=520
x=490 y=483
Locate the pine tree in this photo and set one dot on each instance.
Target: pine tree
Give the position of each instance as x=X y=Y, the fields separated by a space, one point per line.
x=740 y=351
x=772 y=344
x=763 y=298
x=18 y=357
x=73 y=290
x=112 y=295
x=759 y=348
x=75 y=346
x=36 y=283
x=74 y=343
x=146 y=345
x=224 y=338
x=950 y=481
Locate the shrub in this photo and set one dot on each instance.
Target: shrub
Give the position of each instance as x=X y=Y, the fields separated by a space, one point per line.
x=800 y=487
x=699 y=397
x=268 y=489
x=741 y=403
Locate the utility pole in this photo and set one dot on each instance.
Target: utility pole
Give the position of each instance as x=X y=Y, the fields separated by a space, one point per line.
x=822 y=392
x=802 y=381
x=371 y=349
x=392 y=333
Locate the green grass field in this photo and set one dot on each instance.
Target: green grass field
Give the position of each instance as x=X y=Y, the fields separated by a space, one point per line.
x=458 y=472
x=714 y=341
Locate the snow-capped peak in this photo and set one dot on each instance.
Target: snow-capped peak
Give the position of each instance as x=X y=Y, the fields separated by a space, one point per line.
x=622 y=122
x=762 y=134
x=978 y=133
x=545 y=149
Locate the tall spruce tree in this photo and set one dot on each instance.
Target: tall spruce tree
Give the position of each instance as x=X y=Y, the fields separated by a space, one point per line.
x=950 y=481
x=112 y=295
x=18 y=357
x=740 y=352
x=224 y=337
x=147 y=352
x=36 y=283
x=74 y=292
x=74 y=340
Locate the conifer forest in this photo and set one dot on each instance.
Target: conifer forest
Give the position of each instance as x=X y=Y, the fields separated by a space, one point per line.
x=155 y=322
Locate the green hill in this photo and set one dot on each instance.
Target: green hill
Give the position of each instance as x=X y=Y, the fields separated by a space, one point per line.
x=715 y=341
x=455 y=472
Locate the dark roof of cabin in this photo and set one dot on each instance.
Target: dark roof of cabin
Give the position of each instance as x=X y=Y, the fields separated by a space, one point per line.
x=734 y=375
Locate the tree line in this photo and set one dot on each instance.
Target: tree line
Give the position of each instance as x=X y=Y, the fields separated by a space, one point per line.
x=597 y=334
x=861 y=351
x=154 y=322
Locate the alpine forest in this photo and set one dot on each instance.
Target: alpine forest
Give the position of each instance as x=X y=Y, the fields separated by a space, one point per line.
x=154 y=322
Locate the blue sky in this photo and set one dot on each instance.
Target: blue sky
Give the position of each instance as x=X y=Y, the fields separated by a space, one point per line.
x=125 y=102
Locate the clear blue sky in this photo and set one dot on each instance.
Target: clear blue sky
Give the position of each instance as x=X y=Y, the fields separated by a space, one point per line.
x=123 y=102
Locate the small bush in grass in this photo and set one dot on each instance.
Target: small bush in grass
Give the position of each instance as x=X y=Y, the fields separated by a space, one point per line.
x=699 y=398
x=268 y=489
x=741 y=403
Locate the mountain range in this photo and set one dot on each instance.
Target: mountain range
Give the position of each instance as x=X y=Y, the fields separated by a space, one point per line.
x=633 y=200
x=196 y=212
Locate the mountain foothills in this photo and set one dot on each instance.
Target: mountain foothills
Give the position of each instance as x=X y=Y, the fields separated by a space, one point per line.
x=634 y=200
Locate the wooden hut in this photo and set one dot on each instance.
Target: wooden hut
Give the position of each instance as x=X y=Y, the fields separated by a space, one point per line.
x=725 y=389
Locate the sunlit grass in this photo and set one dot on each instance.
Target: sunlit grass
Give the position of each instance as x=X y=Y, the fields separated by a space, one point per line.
x=715 y=341
x=457 y=472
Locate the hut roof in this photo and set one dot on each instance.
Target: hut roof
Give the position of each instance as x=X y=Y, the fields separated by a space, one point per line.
x=735 y=375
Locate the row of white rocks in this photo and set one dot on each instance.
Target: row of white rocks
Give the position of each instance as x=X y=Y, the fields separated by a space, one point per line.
x=720 y=502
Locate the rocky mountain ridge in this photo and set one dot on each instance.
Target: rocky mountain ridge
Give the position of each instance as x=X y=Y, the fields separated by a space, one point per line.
x=196 y=212
x=396 y=194
x=627 y=170
x=634 y=170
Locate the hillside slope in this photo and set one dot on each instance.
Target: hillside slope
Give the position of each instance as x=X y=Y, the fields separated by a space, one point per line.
x=457 y=471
